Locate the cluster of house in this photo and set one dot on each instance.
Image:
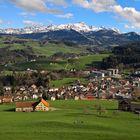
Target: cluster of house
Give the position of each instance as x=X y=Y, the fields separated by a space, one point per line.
x=103 y=84
x=24 y=92
x=104 y=88
x=6 y=99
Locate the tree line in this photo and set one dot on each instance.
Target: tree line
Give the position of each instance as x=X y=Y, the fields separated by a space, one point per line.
x=127 y=55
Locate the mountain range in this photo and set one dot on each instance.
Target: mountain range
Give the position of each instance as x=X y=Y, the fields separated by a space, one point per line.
x=78 y=33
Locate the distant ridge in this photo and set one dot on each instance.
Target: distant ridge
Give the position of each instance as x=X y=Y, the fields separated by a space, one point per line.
x=78 y=33
x=79 y=27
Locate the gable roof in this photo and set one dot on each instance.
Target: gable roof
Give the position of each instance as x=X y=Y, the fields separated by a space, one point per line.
x=45 y=103
x=127 y=101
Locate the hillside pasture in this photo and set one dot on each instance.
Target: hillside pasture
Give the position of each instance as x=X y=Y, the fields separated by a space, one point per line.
x=73 y=120
x=82 y=62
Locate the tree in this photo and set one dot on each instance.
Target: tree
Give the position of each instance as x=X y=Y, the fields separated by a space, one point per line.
x=136 y=94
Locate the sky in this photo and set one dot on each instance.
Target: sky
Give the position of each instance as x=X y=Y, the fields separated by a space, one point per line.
x=121 y=14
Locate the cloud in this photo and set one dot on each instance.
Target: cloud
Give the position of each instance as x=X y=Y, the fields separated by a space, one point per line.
x=26 y=14
x=58 y=2
x=35 y=6
x=4 y=22
x=96 y=5
x=67 y=16
x=129 y=26
x=129 y=14
x=1 y=21
x=31 y=23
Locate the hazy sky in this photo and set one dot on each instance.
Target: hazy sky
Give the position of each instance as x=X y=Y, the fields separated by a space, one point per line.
x=122 y=14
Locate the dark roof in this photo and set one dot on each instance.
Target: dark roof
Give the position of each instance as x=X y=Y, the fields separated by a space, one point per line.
x=125 y=101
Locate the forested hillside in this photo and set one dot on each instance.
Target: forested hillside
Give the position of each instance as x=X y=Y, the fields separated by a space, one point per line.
x=127 y=55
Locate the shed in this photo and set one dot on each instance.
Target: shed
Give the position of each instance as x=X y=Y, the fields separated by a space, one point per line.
x=135 y=106
x=124 y=104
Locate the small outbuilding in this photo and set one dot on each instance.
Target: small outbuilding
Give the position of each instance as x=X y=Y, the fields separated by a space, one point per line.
x=124 y=105
x=128 y=105
x=135 y=106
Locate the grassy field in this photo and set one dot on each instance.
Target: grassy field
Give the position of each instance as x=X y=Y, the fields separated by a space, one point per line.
x=43 y=50
x=50 y=49
x=86 y=61
x=75 y=120
x=46 y=50
x=80 y=63
x=66 y=82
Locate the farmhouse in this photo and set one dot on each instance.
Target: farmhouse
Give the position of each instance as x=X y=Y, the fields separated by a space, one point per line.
x=25 y=106
x=42 y=105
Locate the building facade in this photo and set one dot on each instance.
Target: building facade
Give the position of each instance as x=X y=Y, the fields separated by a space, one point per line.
x=41 y=105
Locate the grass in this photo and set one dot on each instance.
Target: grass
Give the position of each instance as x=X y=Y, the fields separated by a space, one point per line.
x=50 y=49
x=66 y=82
x=70 y=122
x=43 y=50
x=86 y=61
x=42 y=65
x=80 y=63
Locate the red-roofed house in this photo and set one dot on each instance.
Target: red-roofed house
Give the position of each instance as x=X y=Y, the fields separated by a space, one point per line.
x=42 y=105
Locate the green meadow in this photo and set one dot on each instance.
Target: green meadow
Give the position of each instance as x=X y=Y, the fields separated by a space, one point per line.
x=43 y=51
x=66 y=82
x=79 y=63
x=74 y=120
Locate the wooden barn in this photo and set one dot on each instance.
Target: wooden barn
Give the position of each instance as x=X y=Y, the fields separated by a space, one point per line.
x=128 y=105
x=42 y=105
x=124 y=105
x=135 y=106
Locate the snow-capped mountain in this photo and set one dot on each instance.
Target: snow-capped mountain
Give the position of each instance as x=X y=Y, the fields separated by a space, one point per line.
x=78 y=33
x=79 y=27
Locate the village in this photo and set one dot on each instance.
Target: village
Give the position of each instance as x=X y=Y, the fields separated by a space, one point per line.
x=102 y=84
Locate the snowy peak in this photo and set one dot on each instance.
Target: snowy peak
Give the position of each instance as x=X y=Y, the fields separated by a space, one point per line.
x=77 y=33
x=79 y=27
